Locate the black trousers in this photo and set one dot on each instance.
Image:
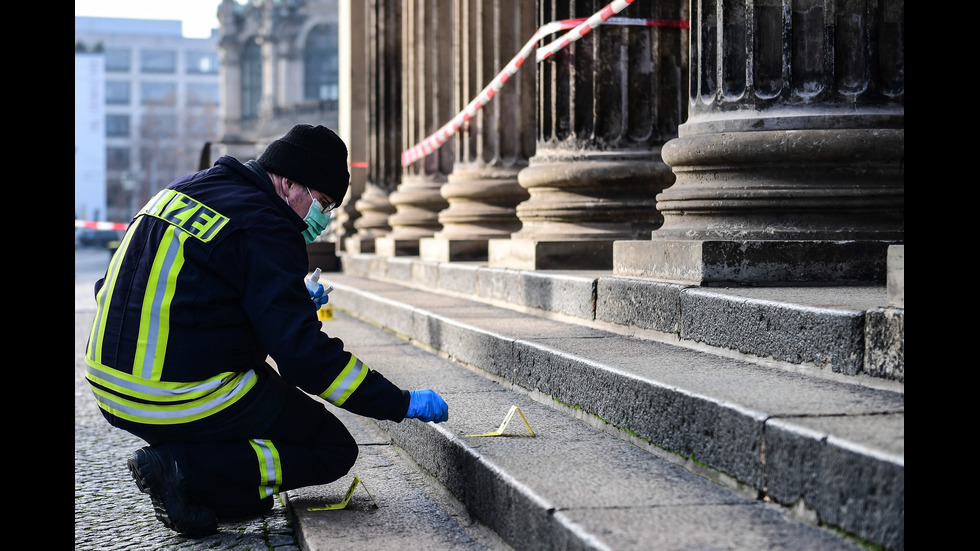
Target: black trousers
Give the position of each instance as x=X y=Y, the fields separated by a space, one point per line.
x=236 y=463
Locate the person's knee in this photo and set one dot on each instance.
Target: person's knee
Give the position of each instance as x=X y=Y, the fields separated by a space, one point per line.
x=342 y=458
x=348 y=457
x=336 y=454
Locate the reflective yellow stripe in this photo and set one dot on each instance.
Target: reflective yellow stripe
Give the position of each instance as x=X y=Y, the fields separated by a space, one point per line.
x=154 y=328
x=163 y=403
x=346 y=383
x=187 y=218
x=270 y=467
x=104 y=297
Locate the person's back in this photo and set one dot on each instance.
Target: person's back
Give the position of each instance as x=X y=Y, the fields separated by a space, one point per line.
x=182 y=272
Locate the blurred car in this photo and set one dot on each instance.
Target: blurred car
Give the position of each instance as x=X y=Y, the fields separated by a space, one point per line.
x=85 y=237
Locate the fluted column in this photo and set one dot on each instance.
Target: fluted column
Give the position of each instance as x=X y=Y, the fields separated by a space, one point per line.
x=496 y=143
x=427 y=76
x=606 y=104
x=354 y=58
x=384 y=124
x=791 y=167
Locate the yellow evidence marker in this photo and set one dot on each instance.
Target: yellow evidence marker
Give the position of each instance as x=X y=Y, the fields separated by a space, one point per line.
x=503 y=426
x=346 y=500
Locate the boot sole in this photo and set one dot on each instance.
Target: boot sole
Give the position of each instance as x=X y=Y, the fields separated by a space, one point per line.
x=149 y=474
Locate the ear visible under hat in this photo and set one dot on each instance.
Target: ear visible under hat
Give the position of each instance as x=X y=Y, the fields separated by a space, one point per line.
x=314 y=156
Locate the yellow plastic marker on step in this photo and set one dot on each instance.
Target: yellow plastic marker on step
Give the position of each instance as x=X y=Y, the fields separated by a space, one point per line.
x=325 y=313
x=346 y=500
x=510 y=415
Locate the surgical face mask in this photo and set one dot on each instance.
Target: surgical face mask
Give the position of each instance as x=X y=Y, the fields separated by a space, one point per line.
x=316 y=222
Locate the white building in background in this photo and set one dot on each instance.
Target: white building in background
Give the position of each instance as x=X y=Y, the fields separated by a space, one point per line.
x=90 y=166
x=161 y=99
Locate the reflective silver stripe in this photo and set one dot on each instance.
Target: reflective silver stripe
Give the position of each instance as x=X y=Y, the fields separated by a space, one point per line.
x=105 y=294
x=111 y=377
x=346 y=383
x=163 y=283
x=136 y=411
x=268 y=457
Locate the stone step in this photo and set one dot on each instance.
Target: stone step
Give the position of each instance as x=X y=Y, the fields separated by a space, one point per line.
x=827 y=446
x=559 y=482
x=395 y=504
x=851 y=331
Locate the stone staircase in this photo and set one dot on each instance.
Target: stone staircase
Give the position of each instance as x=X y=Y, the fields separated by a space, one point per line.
x=663 y=416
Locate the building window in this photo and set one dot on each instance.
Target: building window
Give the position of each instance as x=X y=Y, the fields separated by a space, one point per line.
x=251 y=79
x=117 y=126
x=116 y=60
x=202 y=63
x=202 y=93
x=158 y=93
x=158 y=126
x=320 y=67
x=117 y=158
x=117 y=92
x=158 y=61
x=205 y=127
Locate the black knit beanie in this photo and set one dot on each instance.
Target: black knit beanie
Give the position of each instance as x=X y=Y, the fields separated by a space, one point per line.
x=313 y=156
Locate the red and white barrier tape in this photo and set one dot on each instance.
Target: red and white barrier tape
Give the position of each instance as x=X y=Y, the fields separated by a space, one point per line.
x=89 y=224
x=580 y=28
x=584 y=26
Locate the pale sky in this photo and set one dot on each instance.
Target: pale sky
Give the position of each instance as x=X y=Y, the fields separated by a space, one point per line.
x=198 y=16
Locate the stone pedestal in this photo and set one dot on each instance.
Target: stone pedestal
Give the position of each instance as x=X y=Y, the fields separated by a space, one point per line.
x=536 y=254
x=323 y=255
x=439 y=249
x=791 y=166
x=390 y=246
x=417 y=203
x=373 y=221
x=751 y=262
x=896 y=276
x=597 y=167
x=579 y=206
x=356 y=244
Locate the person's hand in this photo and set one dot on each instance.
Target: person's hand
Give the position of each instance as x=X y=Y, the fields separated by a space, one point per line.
x=320 y=297
x=426 y=405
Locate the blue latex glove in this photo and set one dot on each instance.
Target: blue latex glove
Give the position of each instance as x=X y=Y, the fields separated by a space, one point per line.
x=319 y=296
x=426 y=405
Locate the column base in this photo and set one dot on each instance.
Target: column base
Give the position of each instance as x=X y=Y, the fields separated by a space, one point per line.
x=754 y=263
x=323 y=255
x=530 y=254
x=355 y=244
x=440 y=249
x=392 y=246
x=896 y=276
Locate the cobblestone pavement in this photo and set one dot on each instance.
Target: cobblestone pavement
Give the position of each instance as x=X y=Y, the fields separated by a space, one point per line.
x=110 y=511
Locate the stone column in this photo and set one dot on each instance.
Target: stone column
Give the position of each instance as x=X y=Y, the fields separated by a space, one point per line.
x=353 y=57
x=384 y=126
x=496 y=143
x=427 y=75
x=606 y=105
x=791 y=167
x=229 y=71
